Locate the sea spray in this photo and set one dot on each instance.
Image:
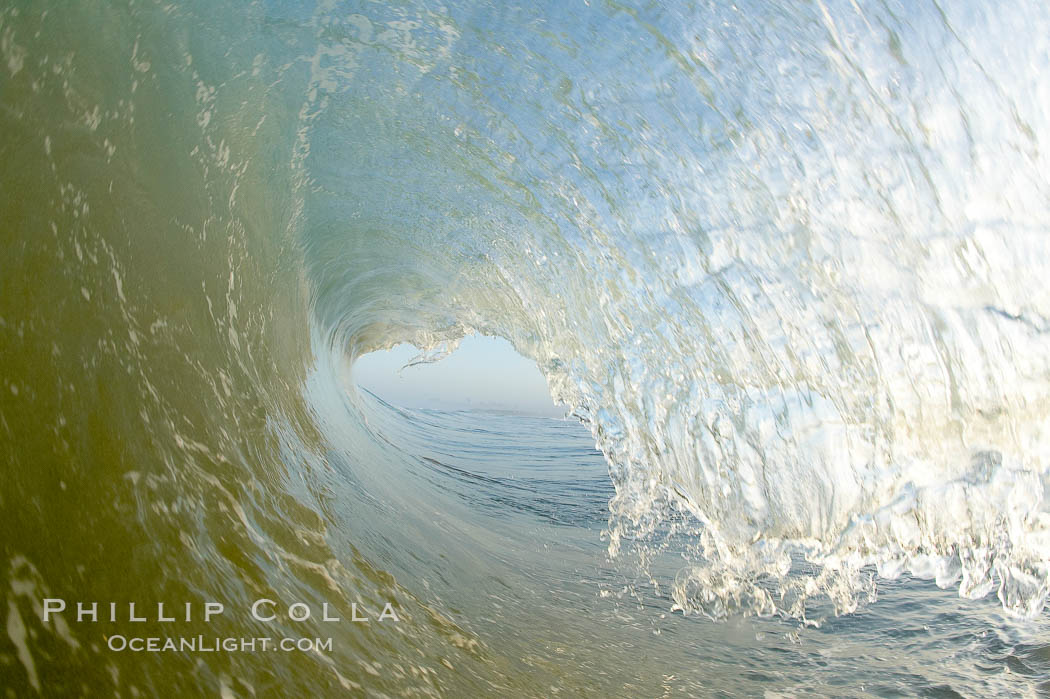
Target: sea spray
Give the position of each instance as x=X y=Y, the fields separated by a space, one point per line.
x=786 y=262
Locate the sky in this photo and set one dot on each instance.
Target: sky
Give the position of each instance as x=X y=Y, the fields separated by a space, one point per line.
x=484 y=373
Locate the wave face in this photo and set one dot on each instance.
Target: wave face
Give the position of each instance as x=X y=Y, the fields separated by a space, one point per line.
x=786 y=261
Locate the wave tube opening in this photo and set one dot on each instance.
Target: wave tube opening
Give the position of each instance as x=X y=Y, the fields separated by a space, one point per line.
x=786 y=262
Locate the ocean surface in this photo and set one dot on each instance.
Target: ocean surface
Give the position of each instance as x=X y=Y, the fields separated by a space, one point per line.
x=785 y=263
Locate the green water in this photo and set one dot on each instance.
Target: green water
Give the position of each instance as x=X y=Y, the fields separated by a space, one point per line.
x=207 y=212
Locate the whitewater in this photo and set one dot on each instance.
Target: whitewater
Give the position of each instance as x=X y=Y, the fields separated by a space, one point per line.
x=784 y=264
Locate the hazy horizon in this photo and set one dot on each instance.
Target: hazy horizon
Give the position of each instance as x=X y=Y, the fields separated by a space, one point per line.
x=483 y=373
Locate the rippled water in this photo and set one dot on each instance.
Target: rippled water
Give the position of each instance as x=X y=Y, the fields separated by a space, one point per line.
x=518 y=505
x=785 y=262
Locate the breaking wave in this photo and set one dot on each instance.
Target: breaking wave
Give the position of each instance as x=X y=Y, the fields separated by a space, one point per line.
x=787 y=262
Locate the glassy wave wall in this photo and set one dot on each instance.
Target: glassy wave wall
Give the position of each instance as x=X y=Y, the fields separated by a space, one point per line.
x=786 y=261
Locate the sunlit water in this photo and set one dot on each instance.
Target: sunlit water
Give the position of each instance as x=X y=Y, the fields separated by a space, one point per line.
x=527 y=497
x=785 y=262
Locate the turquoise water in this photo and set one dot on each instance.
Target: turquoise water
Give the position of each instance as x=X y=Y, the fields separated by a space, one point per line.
x=784 y=264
